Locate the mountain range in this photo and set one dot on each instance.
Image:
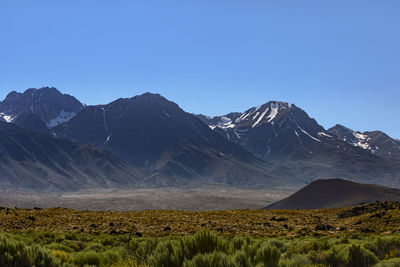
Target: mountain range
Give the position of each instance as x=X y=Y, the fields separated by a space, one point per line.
x=149 y=141
x=154 y=134
x=284 y=134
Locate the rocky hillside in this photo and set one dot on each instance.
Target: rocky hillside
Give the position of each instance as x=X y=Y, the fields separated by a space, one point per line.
x=39 y=162
x=376 y=142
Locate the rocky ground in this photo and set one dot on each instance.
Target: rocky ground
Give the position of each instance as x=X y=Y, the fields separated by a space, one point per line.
x=381 y=217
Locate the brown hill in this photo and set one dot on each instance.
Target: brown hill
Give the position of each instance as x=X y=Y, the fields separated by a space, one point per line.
x=336 y=193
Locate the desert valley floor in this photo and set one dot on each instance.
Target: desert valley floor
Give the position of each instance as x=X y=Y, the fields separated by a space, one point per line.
x=176 y=198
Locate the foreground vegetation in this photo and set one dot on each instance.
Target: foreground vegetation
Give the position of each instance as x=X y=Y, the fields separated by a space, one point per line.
x=201 y=249
x=321 y=238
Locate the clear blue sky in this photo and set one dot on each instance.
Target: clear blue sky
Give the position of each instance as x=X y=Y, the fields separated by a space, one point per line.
x=338 y=60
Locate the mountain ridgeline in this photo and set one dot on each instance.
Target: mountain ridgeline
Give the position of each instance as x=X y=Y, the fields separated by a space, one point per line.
x=284 y=134
x=150 y=141
x=376 y=142
x=152 y=133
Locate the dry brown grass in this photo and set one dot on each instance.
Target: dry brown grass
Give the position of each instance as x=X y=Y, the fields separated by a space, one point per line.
x=378 y=218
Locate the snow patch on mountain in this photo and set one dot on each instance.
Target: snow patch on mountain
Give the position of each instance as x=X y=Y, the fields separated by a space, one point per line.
x=62 y=117
x=7 y=118
x=274 y=112
x=223 y=123
x=360 y=135
x=362 y=140
x=225 y=120
x=104 y=119
x=309 y=135
x=362 y=145
x=324 y=134
x=260 y=118
x=108 y=139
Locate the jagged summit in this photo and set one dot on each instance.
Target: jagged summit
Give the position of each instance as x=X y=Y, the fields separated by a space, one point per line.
x=47 y=103
x=376 y=142
x=267 y=129
x=266 y=113
x=255 y=116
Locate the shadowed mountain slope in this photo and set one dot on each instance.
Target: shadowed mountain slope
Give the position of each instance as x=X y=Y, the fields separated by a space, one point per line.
x=153 y=133
x=36 y=161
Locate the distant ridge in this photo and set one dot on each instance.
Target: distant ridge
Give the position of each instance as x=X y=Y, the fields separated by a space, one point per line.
x=336 y=193
x=376 y=142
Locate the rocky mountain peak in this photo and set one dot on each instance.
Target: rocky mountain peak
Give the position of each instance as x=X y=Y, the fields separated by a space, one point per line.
x=47 y=103
x=375 y=142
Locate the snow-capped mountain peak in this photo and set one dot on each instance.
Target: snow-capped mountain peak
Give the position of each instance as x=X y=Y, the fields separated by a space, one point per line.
x=262 y=114
x=253 y=117
x=354 y=138
x=376 y=142
x=47 y=103
x=263 y=129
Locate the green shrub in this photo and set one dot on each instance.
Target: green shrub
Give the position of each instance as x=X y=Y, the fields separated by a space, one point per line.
x=267 y=256
x=215 y=259
x=385 y=247
x=304 y=246
x=278 y=244
x=141 y=250
x=97 y=247
x=17 y=254
x=319 y=257
x=56 y=246
x=296 y=261
x=71 y=236
x=360 y=257
x=202 y=242
x=241 y=259
x=74 y=246
x=238 y=242
x=111 y=256
x=395 y=262
x=168 y=253
x=87 y=258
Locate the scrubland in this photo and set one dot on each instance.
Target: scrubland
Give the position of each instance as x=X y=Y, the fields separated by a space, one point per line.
x=366 y=235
